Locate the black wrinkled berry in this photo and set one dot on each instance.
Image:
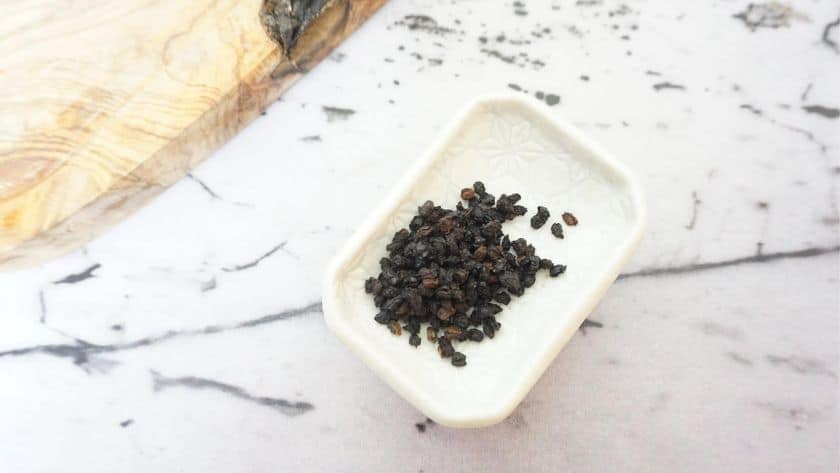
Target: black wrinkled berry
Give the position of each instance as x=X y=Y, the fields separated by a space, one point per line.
x=557 y=270
x=459 y=359
x=502 y=297
x=445 y=347
x=557 y=230
x=475 y=335
x=538 y=220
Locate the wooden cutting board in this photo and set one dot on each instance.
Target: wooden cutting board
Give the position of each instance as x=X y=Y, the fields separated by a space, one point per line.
x=105 y=103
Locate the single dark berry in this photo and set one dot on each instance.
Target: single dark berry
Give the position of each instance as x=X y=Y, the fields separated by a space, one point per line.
x=445 y=312
x=506 y=243
x=395 y=328
x=480 y=253
x=426 y=209
x=444 y=293
x=520 y=210
x=431 y=334
x=557 y=270
x=529 y=280
x=531 y=264
x=461 y=321
x=546 y=263
x=414 y=340
x=505 y=206
x=520 y=245
x=459 y=359
x=502 y=297
x=475 y=335
x=570 y=219
x=557 y=230
x=510 y=281
x=489 y=328
x=452 y=332
x=425 y=231
x=538 y=220
x=369 y=285
x=478 y=186
x=393 y=304
x=445 y=347
x=429 y=283
x=416 y=223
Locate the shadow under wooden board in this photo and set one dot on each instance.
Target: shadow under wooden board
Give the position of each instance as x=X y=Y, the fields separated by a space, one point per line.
x=104 y=107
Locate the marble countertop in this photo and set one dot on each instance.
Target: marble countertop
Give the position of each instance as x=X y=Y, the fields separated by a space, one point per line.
x=190 y=337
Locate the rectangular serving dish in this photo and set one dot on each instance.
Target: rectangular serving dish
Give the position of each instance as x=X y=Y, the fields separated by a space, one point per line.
x=512 y=145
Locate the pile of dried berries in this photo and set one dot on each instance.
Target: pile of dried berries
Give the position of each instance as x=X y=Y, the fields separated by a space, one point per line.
x=450 y=270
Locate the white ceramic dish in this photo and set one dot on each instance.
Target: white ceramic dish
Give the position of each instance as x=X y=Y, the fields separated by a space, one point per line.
x=512 y=145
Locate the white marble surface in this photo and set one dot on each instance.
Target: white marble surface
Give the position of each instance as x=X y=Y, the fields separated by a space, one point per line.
x=717 y=351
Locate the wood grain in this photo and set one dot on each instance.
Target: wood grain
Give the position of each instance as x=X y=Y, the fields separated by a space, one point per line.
x=105 y=103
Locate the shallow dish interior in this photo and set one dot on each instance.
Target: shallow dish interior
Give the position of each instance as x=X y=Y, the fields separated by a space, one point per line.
x=512 y=146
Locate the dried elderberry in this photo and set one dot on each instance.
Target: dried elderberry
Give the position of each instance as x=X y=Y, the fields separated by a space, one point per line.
x=557 y=230
x=538 y=220
x=570 y=219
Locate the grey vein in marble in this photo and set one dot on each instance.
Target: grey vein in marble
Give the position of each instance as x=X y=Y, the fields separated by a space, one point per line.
x=589 y=323
x=826 y=35
x=43 y=305
x=801 y=365
x=193 y=382
x=80 y=350
x=213 y=195
x=805 y=92
x=738 y=358
x=78 y=277
x=208 y=285
x=716 y=329
x=767 y=15
x=794 y=413
x=335 y=114
x=807 y=134
x=204 y=186
x=759 y=257
x=695 y=203
x=823 y=111
x=251 y=264
x=667 y=85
